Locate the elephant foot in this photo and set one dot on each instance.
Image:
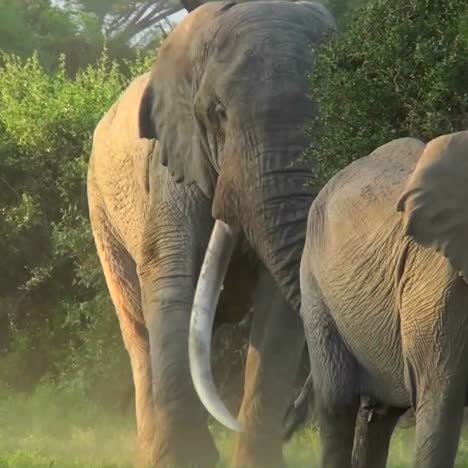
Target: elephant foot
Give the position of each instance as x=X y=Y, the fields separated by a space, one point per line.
x=143 y=458
x=185 y=445
x=258 y=451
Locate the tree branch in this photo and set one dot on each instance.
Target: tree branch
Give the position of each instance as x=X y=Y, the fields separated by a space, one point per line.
x=139 y=16
x=133 y=13
x=145 y=24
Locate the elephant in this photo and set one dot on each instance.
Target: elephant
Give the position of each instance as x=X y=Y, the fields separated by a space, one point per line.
x=384 y=292
x=208 y=146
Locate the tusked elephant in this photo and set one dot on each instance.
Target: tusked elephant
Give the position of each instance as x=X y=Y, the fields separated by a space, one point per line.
x=210 y=142
x=385 y=301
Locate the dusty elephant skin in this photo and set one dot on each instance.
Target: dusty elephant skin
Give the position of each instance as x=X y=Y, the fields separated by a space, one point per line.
x=385 y=301
x=215 y=131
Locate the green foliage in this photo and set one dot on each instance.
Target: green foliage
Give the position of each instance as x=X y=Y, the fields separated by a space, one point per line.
x=53 y=299
x=342 y=10
x=27 y=26
x=400 y=69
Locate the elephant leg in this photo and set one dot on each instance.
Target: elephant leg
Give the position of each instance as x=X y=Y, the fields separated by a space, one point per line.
x=335 y=373
x=136 y=341
x=275 y=350
x=374 y=429
x=439 y=399
x=434 y=328
x=183 y=439
x=439 y=416
x=167 y=272
x=336 y=434
x=122 y=282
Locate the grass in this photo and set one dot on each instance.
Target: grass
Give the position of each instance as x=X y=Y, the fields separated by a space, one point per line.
x=62 y=430
x=59 y=429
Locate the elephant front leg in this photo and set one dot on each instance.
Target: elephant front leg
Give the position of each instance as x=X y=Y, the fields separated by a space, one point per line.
x=438 y=394
x=182 y=438
x=434 y=327
x=439 y=417
x=122 y=281
x=174 y=240
x=275 y=350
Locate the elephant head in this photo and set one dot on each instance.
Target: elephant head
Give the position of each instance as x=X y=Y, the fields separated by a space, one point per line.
x=228 y=101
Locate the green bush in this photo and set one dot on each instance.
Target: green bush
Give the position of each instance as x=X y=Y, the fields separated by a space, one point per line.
x=43 y=26
x=399 y=69
x=53 y=299
x=342 y=10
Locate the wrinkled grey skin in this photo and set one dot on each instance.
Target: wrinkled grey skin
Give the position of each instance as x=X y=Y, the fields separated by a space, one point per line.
x=385 y=301
x=214 y=132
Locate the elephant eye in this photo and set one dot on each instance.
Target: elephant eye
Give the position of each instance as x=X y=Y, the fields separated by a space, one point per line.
x=217 y=114
x=220 y=112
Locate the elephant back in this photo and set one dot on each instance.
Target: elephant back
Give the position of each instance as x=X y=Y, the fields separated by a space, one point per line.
x=118 y=171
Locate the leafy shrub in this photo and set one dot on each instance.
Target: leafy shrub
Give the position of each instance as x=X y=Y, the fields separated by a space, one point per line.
x=53 y=299
x=49 y=29
x=399 y=69
x=342 y=10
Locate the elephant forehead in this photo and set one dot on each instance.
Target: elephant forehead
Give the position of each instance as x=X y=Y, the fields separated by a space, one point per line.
x=278 y=63
x=256 y=31
x=259 y=39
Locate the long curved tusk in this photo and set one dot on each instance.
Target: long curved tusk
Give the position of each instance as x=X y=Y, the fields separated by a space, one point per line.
x=212 y=274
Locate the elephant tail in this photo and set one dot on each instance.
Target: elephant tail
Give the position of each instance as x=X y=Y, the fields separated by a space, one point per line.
x=296 y=414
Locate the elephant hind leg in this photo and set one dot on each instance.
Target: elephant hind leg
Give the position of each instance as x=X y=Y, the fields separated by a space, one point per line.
x=336 y=434
x=336 y=412
x=122 y=282
x=335 y=377
x=374 y=429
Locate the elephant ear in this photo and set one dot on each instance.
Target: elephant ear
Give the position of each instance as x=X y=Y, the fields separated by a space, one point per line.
x=435 y=201
x=166 y=109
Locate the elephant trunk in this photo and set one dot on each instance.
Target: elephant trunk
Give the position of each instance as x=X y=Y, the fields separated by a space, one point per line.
x=278 y=221
x=274 y=218
x=272 y=197
x=267 y=193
